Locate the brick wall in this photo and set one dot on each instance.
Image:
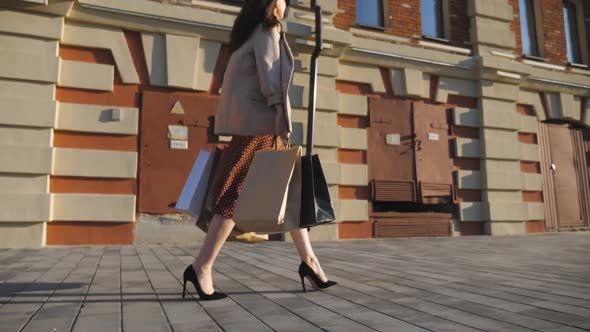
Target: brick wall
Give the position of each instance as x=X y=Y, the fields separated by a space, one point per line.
x=459 y=23
x=404 y=18
x=553 y=27
x=405 y=21
x=516 y=26
x=346 y=14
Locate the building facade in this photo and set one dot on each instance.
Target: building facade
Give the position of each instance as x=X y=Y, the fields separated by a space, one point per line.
x=434 y=117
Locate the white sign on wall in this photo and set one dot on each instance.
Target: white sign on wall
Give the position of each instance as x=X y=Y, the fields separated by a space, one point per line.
x=433 y=137
x=177 y=132
x=393 y=139
x=180 y=145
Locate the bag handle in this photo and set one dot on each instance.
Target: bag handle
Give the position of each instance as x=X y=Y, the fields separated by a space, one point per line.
x=281 y=41
x=275 y=141
x=276 y=137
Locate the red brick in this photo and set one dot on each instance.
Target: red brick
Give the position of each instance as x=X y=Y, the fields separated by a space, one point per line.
x=405 y=20
x=553 y=28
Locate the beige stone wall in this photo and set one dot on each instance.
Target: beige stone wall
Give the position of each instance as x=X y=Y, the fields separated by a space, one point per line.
x=29 y=70
x=181 y=45
x=502 y=207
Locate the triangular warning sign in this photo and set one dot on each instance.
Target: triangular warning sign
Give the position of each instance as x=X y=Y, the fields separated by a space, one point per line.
x=177 y=108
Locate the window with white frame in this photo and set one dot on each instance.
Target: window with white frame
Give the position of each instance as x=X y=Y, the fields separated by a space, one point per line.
x=575 y=34
x=370 y=13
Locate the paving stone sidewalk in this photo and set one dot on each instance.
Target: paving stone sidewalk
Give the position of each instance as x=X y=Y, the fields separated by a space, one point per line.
x=533 y=283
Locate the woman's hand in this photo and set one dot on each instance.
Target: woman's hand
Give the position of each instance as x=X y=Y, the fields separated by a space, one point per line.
x=281 y=125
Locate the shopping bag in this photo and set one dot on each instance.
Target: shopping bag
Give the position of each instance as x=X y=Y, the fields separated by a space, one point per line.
x=194 y=191
x=316 y=205
x=206 y=215
x=215 y=176
x=270 y=199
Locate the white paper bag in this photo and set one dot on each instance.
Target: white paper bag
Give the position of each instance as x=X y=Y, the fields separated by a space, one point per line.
x=270 y=200
x=195 y=189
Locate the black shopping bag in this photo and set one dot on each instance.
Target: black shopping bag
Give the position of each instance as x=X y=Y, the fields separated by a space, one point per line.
x=316 y=205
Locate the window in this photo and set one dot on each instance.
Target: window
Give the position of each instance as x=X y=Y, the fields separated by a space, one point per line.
x=370 y=13
x=432 y=18
x=572 y=37
x=528 y=28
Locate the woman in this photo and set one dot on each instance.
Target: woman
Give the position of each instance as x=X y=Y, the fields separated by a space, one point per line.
x=254 y=108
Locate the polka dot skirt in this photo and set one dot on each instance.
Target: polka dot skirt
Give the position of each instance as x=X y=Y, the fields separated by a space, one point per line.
x=234 y=166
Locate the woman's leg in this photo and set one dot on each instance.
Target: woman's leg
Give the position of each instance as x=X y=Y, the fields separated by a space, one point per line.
x=219 y=230
x=301 y=240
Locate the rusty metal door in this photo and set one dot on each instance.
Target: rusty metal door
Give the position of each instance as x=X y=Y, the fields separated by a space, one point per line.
x=549 y=203
x=560 y=176
x=162 y=169
x=391 y=151
x=581 y=140
x=434 y=163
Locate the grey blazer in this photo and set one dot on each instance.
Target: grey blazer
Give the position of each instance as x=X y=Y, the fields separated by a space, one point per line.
x=257 y=77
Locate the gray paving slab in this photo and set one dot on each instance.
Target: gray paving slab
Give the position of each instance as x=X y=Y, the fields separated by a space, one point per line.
x=363 y=315
x=25 y=302
x=101 y=307
x=355 y=299
x=59 y=312
x=141 y=309
x=27 y=271
x=514 y=294
x=520 y=318
x=557 y=317
x=226 y=313
x=320 y=316
x=534 y=283
x=183 y=315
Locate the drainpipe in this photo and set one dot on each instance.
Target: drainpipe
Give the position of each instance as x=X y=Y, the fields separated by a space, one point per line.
x=313 y=76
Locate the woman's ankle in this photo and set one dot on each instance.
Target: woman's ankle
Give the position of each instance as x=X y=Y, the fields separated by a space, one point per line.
x=202 y=267
x=311 y=260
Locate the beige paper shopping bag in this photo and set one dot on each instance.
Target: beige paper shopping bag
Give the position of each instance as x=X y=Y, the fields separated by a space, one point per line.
x=270 y=199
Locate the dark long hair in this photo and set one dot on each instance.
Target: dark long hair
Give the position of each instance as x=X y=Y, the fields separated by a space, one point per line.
x=253 y=12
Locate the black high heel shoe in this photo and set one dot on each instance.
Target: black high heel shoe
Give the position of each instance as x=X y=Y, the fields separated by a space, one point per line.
x=306 y=271
x=191 y=275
